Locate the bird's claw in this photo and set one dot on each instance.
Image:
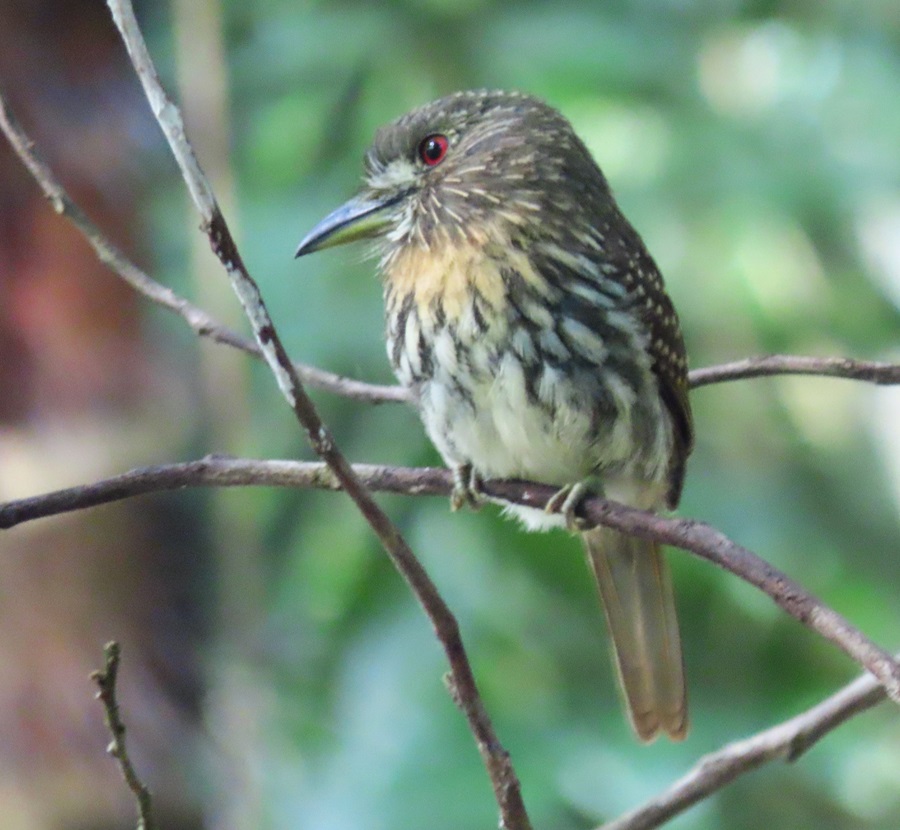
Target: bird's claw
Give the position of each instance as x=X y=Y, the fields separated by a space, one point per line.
x=567 y=500
x=466 y=488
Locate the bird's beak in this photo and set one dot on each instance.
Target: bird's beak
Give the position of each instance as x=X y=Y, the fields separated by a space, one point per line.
x=361 y=218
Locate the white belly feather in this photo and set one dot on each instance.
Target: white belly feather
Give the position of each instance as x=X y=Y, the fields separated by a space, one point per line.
x=558 y=427
x=503 y=433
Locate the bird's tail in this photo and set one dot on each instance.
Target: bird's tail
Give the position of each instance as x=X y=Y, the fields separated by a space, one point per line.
x=636 y=589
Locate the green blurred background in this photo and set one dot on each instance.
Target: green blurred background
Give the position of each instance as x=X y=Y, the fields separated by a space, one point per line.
x=756 y=147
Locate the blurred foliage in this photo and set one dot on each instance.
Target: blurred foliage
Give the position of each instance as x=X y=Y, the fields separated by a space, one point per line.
x=755 y=146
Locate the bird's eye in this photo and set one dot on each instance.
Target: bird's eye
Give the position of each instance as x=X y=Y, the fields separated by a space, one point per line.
x=433 y=148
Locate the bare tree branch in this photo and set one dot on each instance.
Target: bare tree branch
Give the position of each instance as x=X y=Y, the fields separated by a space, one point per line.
x=787 y=741
x=714 y=771
x=105 y=679
x=886 y=374
x=201 y=323
x=713 y=545
x=507 y=791
x=221 y=471
x=688 y=534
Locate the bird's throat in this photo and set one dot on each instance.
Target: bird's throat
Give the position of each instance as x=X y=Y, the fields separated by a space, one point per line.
x=447 y=274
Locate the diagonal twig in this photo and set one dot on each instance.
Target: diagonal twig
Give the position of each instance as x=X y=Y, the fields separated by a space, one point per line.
x=714 y=546
x=507 y=791
x=696 y=537
x=786 y=741
x=204 y=325
x=201 y=323
x=105 y=679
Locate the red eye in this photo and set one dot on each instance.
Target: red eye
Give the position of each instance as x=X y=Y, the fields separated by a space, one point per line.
x=433 y=148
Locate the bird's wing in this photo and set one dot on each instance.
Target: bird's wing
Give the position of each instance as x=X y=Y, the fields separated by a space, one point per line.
x=666 y=346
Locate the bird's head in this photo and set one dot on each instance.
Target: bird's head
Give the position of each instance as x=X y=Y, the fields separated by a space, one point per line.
x=465 y=168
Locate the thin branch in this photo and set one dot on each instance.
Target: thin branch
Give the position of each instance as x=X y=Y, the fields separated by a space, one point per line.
x=201 y=323
x=507 y=791
x=105 y=679
x=693 y=536
x=787 y=741
x=204 y=325
x=688 y=534
x=886 y=374
x=221 y=471
x=716 y=547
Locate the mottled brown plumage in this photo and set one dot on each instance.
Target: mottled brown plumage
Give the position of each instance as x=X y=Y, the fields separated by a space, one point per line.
x=533 y=326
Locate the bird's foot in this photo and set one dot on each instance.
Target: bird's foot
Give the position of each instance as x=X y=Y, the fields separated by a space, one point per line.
x=567 y=500
x=467 y=490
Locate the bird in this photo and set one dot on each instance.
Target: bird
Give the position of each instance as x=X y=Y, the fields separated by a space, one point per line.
x=534 y=333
